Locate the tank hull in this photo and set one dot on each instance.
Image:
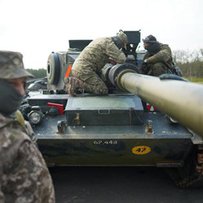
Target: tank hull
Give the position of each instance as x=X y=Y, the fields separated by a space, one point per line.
x=115 y=145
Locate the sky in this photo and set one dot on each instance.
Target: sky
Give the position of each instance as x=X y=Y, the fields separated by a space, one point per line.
x=38 y=27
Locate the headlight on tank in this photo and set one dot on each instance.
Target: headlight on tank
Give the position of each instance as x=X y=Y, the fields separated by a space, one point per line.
x=35 y=116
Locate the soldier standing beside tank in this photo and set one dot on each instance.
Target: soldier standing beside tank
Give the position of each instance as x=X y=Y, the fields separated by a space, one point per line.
x=24 y=176
x=158 y=59
x=87 y=67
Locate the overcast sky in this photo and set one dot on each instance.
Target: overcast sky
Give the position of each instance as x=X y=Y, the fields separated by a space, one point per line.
x=38 y=27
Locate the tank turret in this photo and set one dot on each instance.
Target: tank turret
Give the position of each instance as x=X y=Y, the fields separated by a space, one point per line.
x=59 y=64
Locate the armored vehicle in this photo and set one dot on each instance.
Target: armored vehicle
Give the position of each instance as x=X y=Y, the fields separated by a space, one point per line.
x=143 y=121
x=37 y=84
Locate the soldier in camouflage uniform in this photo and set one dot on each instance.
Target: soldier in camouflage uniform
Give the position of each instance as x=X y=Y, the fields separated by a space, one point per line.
x=158 y=59
x=24 y=176
x=87 y=67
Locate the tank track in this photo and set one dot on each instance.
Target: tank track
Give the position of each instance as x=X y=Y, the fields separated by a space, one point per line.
x=191 y=174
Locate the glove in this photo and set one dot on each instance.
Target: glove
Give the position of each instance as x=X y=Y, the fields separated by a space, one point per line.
x=112 y=61
x=145 y=67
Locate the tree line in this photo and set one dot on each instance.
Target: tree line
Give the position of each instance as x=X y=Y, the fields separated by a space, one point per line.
x=190 y=62
x=38 y=73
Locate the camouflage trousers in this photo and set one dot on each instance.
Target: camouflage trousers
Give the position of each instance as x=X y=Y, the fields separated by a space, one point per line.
x=86 y=81
x=157 y=69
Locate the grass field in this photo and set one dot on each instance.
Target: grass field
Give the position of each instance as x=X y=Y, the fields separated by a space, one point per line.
x=198 y=80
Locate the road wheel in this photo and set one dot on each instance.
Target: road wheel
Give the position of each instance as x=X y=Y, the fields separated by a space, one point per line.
x=187 y=176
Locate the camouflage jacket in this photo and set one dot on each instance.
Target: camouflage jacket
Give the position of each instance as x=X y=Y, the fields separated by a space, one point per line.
x=164 y=56
x=24 y=176
x=97 y=54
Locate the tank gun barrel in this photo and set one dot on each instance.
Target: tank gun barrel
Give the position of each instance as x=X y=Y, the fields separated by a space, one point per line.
x=181 y=100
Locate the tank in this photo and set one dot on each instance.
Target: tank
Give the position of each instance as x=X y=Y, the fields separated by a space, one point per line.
x=143 y=121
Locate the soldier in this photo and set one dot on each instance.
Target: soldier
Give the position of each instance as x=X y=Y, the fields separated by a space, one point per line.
x=87 y=67
x=24 y=176
x=158 y=59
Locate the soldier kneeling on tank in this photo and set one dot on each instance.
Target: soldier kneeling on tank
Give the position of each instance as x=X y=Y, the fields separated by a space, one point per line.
x=86 y=70
x=158 y=60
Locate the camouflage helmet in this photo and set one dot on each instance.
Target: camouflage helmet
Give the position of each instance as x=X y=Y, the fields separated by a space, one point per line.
x=11 y=65
x=150 y=39
x=123 y=37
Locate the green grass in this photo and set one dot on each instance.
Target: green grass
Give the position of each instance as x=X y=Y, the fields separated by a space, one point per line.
x=193 y=79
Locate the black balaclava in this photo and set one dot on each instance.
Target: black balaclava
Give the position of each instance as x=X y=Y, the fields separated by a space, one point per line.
x=117 y=42
x=10 y=98
x=153 y=48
